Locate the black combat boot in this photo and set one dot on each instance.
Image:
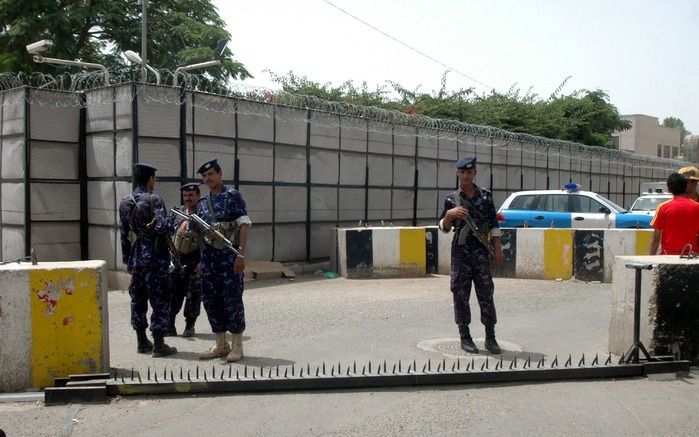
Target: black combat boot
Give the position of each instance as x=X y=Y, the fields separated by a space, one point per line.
x=490 y=343
x=467 y=343
x=160 y=349
x=144 y=345
x=188 y=329
x=171 y=331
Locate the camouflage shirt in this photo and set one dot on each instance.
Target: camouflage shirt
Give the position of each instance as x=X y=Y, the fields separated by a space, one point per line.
x=485 y=217
x=136 y=211
x=228 y=206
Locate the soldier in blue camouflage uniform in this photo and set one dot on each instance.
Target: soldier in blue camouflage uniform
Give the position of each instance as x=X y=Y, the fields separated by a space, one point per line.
x=470 y=261
x=144 y=227
x=186 y=283
x=222 y=270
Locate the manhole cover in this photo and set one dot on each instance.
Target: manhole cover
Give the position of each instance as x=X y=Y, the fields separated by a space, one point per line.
x=451 y=347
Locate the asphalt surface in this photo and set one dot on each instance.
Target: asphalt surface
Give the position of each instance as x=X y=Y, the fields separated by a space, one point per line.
x=314 y=320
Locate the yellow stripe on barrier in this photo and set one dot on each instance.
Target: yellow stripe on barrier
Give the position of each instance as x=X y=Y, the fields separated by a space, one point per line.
x=66 y=323
x=413 y=257
x=558 y=253
x=643 y=239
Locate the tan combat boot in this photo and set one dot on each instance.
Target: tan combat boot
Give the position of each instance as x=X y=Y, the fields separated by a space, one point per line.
x=220 y=350
x=237 y=349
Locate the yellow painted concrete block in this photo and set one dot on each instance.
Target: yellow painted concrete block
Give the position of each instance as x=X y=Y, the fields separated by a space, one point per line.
x=67 y=323
x=413 y=255
x=558 y=253
x=643 y=239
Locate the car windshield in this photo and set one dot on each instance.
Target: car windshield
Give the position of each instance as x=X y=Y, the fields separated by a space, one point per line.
x=616 y=208
x=647 y=203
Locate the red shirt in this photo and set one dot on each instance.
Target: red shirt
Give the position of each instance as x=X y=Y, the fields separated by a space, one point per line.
x=678 y=218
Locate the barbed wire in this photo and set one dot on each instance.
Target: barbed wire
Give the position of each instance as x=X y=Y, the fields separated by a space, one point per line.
x=203 y=92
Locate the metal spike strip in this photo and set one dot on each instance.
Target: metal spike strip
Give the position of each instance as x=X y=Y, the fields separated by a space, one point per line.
x=268 y=381
x=609 y=360
x=569 y=361
x=595 y=361
x=582 y=361
x=554 y=363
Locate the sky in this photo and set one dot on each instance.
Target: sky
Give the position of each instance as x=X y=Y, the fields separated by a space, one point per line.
x=644 y=54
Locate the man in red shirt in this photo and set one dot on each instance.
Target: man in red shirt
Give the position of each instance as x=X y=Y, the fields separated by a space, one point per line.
x=676 y=221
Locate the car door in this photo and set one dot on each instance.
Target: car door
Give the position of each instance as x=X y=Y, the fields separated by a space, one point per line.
x=551 y=211
x=589 y=213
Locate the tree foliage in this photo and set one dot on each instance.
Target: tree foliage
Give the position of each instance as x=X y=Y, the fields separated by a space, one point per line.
x=676 y=122
x=180 y=32
x=583 y=116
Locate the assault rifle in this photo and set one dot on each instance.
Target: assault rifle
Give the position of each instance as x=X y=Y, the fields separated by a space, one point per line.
x=205 y=228
x=481 y=236
x=175 y=257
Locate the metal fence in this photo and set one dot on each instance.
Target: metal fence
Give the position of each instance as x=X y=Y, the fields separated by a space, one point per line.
x=302 y=170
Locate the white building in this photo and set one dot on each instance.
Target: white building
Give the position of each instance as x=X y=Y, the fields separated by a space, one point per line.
x=648 y=137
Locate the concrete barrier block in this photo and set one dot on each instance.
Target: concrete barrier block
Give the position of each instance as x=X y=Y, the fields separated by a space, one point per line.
x=669 y=319
x=530 y=246
x=558 y=253
x=53 y=322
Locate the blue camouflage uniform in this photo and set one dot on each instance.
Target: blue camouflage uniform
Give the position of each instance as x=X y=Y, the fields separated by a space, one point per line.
x=222 y=288
x=147 y=257
x=470 y=262
x=186 y=285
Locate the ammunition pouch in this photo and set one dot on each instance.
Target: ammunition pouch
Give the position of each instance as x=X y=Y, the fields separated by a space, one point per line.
x=186 y=243
x=228 y=229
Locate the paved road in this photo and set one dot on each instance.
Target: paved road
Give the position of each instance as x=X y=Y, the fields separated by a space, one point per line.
x=314 y=320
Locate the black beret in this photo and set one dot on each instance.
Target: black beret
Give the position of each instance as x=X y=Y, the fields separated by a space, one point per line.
x=144 y=168
x=466 y=163
x=190 y=186
x=209 y=165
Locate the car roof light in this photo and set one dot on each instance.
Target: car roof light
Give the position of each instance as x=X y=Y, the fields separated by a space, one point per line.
x=571 y=187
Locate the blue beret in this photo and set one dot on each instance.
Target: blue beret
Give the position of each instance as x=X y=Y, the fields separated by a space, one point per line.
x=191 y=186
x=209 y=165
x=466 y=163
x=144 y=168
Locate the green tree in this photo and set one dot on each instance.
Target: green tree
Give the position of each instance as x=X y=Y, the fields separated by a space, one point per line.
x=676 y=122
x=582 y=116
x=180 y=32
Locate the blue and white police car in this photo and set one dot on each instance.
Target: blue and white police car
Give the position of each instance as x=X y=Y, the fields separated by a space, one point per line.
x=567 y=208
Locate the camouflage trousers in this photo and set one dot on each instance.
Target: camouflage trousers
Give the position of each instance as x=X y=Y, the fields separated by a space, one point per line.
x=222 y=293
x=149 y=285
x=186 y=289
x=470 y=264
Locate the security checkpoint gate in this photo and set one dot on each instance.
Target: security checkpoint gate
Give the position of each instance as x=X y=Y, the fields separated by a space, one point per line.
x=96 y=388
